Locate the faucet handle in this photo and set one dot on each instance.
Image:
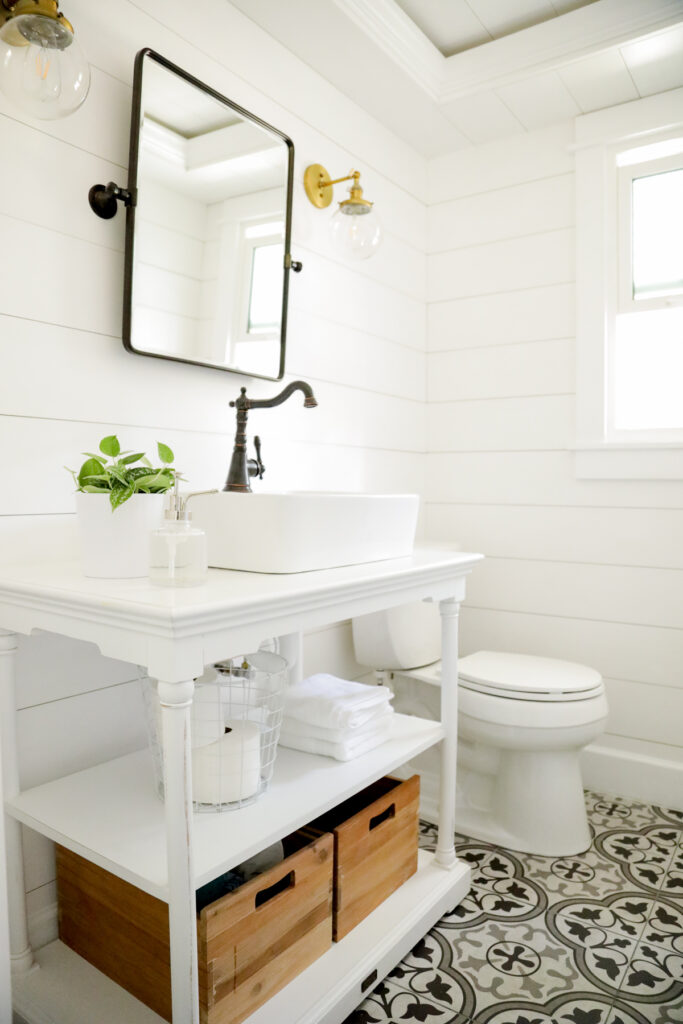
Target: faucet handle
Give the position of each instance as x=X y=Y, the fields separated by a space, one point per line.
x=256 y=467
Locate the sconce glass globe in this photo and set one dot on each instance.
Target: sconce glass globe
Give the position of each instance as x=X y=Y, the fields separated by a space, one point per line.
x=356 y=230
x=42 y=67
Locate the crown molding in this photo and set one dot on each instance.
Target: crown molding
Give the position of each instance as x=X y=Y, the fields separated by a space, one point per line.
x=557 y=42
x=393 y=31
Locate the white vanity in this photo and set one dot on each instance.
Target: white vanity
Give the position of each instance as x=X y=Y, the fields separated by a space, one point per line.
x=111 y=815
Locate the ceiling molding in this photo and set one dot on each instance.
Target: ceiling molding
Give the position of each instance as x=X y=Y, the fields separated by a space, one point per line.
x=557 y=42
x=393 y=31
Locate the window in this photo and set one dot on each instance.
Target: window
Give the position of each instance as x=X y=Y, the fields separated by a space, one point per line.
x=630 y=291
x=263 y=262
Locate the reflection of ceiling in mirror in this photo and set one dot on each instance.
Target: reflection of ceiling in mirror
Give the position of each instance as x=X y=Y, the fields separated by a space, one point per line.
x=181 y=106
x=218 y=165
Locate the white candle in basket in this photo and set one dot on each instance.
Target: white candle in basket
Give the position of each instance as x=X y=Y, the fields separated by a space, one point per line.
x=230 y=768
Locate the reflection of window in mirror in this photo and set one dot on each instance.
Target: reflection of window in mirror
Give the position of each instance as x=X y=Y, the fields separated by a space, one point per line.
x=263 y=255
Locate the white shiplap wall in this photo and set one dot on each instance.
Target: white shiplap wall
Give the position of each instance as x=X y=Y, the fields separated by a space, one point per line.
x=357 y=333
x=589 y=571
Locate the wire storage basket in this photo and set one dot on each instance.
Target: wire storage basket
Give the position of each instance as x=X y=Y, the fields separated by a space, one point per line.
x=236 y=717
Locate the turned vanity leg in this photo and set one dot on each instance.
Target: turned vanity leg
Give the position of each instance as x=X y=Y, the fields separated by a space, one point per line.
x=445 y=848
x=176 y=703
x=291 y=647
x=20 y=954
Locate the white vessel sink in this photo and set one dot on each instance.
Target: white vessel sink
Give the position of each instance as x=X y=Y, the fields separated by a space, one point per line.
x=299 y=531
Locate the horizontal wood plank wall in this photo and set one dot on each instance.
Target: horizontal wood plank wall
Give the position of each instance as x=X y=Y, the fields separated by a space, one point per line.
x=357 y=332
x=583 y=570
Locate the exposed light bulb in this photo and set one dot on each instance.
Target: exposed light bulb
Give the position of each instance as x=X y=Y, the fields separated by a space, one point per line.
x=42 y=67
x=356 y=231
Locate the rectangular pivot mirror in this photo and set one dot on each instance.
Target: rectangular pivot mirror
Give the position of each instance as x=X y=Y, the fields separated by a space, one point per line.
x=208 y=231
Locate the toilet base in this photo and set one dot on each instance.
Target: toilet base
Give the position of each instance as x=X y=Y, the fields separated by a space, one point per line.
x=537 y=806
x=551 y=822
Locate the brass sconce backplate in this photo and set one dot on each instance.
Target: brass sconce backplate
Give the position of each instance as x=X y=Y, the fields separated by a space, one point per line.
x=320 y=194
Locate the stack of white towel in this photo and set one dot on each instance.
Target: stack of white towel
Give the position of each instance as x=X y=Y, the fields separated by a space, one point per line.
x=327 y=715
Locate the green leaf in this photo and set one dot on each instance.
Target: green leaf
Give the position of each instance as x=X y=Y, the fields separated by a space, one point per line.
x=149 y=479
x=110 y=446
x=119 y=474
x=165 y=453
x=131 y=458
x=98 y=476
x=92 y=489
x=118 y=496
x=90 y=467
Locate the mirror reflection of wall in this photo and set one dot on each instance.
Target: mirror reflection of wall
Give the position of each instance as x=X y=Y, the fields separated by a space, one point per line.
x=210 y=230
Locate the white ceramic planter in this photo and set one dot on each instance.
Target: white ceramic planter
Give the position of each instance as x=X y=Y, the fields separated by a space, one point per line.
x=115 y=544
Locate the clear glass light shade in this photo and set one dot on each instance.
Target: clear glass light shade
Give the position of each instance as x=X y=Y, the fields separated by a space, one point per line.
x=355 y=231
x=42 y=67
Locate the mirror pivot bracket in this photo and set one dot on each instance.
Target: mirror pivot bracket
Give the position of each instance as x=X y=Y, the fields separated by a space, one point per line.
x=104 y=199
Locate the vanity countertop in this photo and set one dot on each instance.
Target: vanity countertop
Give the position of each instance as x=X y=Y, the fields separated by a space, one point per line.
x=231 y=599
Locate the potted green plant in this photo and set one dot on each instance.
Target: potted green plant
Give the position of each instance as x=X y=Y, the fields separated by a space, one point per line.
x=119 y=500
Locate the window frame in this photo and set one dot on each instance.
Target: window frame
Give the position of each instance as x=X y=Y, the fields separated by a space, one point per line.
x=601 y=453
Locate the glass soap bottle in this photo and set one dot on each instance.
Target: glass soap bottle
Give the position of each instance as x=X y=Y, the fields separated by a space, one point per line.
x=177 y=552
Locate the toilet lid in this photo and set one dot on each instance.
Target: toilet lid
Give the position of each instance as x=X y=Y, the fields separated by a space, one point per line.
x=526 y=677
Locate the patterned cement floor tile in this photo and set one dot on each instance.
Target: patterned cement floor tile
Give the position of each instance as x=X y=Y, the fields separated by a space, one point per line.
x=591 y=939
x=589 y=874
x=608 y=812
x=470 y=968
x=390 y=1004
x=644 y=855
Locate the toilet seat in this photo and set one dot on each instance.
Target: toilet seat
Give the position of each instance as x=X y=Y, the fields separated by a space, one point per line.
x=527 y=677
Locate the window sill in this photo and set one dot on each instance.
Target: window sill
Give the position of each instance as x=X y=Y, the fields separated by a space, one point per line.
x=607 y=460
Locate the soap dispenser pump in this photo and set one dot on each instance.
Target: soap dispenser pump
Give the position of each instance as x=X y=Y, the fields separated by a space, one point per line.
x=178 y=555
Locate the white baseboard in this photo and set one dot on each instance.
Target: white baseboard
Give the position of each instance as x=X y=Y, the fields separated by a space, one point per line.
x=654 y=780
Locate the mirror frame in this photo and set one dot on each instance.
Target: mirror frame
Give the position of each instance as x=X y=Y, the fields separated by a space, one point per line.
x=130 y=211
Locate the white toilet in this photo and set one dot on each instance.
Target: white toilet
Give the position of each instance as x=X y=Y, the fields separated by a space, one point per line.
x=523 y=722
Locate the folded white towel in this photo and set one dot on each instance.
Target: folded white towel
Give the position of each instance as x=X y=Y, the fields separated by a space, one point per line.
x=347 y=750
x=295 y=727
x=333 y=703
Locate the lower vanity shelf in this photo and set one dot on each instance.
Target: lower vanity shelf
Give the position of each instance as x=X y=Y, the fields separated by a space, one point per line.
x=66 y=988
x=110 y=813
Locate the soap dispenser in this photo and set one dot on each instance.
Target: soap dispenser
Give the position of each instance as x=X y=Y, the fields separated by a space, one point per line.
x=177 y=548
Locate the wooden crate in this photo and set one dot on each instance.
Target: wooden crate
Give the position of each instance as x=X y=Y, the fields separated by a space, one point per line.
x=375 y=847
x=251 y=942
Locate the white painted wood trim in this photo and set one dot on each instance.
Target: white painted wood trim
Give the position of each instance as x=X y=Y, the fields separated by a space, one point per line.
x=501 y=62
x=13 y=922
x=633 y=775
x=629 y=462
x=176 y=701
x=600 y=137
x=445 y=848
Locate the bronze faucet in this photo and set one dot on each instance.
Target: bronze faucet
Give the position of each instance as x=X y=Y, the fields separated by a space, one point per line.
x=242 y=468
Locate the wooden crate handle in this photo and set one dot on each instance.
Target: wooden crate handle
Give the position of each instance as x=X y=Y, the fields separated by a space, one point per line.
x=385 y=815
x=287 y=881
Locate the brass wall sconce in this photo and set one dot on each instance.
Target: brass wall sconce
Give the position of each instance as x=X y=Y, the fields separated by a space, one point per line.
x=355 y=227
x=42 y=67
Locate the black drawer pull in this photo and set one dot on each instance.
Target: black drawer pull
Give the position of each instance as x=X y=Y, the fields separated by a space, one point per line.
x=390 y=812
x=369 y=981
x=267 y=894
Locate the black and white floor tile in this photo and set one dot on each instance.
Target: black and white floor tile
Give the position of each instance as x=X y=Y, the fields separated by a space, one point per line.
x=591 y=939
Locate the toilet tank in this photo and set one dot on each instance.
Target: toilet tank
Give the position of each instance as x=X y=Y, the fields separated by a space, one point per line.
x=399 y=638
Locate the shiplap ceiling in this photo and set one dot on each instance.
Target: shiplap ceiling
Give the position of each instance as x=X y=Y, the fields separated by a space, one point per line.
x=457 y=25
x=445 y=74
